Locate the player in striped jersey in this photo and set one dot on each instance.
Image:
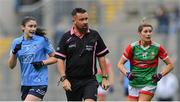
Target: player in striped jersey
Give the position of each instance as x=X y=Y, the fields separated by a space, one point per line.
x=143 y=56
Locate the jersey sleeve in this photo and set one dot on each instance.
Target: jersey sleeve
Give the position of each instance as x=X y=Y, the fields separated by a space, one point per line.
x=12 y=47
x=101 y=49
x=127 y=54
x=162 y=53
x=48 y=47
x=61 y=49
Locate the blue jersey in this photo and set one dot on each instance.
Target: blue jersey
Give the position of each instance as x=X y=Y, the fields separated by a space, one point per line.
x=32 y=50
x=126 y=80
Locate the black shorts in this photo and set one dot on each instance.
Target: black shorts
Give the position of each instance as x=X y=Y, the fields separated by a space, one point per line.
x=82 y=89
x=38 y=91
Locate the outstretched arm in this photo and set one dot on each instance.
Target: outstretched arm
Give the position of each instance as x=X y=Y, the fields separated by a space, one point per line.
x=50 y=60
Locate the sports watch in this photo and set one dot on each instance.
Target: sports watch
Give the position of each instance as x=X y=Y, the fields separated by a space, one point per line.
x=63 y=78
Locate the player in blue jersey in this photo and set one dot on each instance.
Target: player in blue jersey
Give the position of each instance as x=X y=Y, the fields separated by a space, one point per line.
x=32 y=49
x=124 y=80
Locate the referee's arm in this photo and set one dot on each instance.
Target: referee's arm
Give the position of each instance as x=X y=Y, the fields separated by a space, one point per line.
x=103 y=65
x=61 y=67
x=105 y=82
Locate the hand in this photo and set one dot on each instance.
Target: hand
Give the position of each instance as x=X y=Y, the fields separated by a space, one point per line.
x=66 y=85
x=105 y=84
x=156 y=77
x=130 y=76
x=38 y=65
x=17 y=48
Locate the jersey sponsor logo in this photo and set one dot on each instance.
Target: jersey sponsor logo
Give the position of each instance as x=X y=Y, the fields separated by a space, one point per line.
x=26 y=48
x=35 y=46
x=144 y=55
x=72 y=45
x=89 y=47
x=138 y=53
x=28 y=58
x=29 y=48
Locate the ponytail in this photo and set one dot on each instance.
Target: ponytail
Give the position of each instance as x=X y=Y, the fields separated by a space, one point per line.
x=41 y=32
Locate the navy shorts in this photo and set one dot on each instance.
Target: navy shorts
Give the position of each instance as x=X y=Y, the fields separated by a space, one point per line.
x=82 y=89
x=38 y=91
x=126 y=93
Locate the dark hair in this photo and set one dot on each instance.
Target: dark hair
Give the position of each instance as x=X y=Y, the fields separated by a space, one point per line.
x=140 y=28
x=27 y=19
x=41 y=32
x=78 y=10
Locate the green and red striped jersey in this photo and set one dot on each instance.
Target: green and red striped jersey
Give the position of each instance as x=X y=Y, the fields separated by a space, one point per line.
x=144 y=62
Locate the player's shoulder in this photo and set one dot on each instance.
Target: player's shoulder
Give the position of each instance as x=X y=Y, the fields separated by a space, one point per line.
x=40 y=38
x=67 y=32
x=136 y=43
x=18 y=40
x=93 y=31
x=67 y=35
x=155 y=44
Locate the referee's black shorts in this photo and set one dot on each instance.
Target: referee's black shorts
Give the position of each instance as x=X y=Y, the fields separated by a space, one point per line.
x=82 y=88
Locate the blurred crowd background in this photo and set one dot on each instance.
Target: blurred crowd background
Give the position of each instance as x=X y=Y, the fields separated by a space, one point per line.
x=116 y=20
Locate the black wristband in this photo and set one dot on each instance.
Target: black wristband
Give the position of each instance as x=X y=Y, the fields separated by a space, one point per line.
x=105 y=76
x=14 y=52
x=63 y=78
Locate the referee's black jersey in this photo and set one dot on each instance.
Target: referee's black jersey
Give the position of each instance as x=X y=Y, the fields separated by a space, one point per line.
x=80 y=53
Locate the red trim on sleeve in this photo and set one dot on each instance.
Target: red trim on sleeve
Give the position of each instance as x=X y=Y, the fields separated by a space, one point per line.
x=128 y=52
x=162 y=52
x=60 y=54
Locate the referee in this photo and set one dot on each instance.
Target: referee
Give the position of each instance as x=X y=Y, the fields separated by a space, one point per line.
x=76 y=53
